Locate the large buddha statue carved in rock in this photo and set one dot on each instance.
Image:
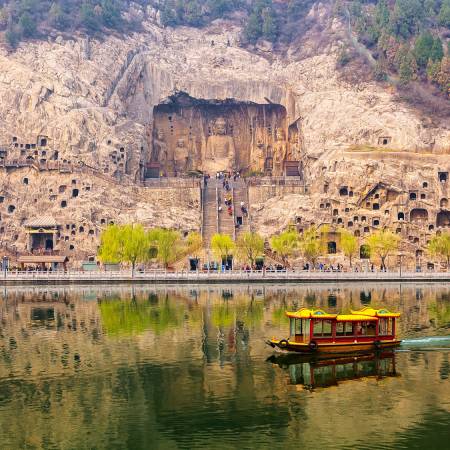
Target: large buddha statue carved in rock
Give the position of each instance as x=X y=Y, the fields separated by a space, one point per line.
x=220 y=150
x=279 y=153
x=181 y=157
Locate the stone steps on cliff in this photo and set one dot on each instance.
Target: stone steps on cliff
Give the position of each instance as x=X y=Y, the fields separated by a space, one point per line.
x=226 y=221
x=240 y=194
x=209 y=219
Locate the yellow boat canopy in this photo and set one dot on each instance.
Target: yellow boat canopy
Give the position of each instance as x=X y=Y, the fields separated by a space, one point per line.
x=364 y=315
x=371 y=312
x=355 y=318
x=305 y=313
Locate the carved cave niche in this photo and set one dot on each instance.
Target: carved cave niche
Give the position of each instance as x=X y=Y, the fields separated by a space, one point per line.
x=443 y=219
x=418 y=215
x=186 y=131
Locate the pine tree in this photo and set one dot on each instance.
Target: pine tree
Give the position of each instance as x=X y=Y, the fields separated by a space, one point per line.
x=253 y=29
x=27 y=25
x=269 y=27
x=444 y=14
x=423 y=47
x=437 y=51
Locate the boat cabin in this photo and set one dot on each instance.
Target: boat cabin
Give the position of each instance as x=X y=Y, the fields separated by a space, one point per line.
x=315 y=325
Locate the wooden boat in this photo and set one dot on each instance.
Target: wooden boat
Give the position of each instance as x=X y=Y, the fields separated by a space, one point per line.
x=315 y=331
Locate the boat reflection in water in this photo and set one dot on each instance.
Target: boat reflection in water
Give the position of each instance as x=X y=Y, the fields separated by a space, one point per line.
x=325 y=372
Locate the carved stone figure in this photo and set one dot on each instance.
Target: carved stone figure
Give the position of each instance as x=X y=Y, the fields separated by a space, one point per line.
x=279 y=153
x=160 y=149
x=258 y=156
x=220 y=150
x=294 y=151
x=181 y=157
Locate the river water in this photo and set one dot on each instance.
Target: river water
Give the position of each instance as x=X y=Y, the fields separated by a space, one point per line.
x=166 y=367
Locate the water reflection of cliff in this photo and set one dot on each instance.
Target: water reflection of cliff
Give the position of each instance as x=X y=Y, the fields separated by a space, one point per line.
x=117 y=367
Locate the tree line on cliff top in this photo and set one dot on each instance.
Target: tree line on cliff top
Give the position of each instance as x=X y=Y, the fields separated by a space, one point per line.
x=408 y=38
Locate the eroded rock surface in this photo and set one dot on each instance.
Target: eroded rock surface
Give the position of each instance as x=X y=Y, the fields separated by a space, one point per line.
x=89 y=103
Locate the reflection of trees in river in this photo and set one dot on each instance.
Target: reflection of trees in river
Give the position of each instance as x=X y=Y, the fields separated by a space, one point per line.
x=161 y=384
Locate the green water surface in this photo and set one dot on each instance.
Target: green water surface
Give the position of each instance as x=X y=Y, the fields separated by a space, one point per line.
x=166 y=367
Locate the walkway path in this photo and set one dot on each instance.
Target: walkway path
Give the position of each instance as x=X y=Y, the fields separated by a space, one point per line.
x=236 y=276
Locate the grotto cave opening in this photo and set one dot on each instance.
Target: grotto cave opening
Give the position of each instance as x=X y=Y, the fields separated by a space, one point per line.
x=194 y=135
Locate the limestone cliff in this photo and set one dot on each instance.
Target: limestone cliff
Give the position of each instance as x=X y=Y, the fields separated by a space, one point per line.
x=89 y=103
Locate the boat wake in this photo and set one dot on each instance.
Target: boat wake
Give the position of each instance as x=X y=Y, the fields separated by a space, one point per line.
x=428 y=343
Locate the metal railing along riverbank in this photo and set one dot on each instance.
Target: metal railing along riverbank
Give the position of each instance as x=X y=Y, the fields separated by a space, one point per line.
x=155 y=276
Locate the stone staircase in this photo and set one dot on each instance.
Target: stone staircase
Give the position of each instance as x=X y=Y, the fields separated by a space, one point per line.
x=240 y=194
x=226 y=222
x=222 y=222
x=209 y=219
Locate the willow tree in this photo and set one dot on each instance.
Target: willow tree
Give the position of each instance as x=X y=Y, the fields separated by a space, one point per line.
x=349 y=245
x=439 y=246
x=222 y=246
x=194 y=243
x=124 y=244
x=312 y=244
x=382 y=243
x=285 y=244
x=168 y=245
x=249 y=246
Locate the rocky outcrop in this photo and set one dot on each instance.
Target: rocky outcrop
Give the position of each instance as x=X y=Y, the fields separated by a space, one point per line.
x=92 y=101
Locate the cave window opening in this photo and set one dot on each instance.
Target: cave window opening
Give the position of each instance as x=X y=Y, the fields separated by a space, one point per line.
x=443 y=203
x=376 y=222
x=376 y=206
x=11 y=209
x=443 y=219
x=25 y=180
x=75 y=193
x=412 y=196
x=63 y=204
x=443 y=177
x=332 y=249
x=401 y=216
x=425 y=185
x=343 y=191
x=418 y=215
x=43 y=142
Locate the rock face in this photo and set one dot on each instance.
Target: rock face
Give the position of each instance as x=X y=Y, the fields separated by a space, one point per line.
x=97 y=105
